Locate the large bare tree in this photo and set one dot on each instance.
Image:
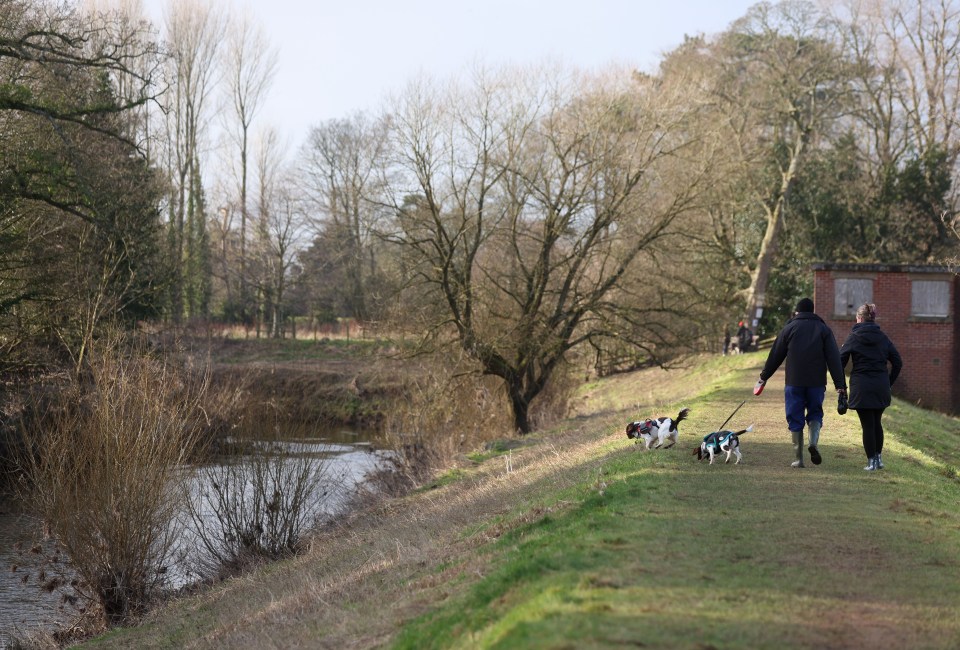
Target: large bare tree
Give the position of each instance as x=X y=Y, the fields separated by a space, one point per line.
x=908 y=56
x=528 y=198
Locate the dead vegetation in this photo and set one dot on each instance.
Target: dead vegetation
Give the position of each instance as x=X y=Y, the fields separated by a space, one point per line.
x=368 y=562
x=444 y=414
x=100 y=467
x=258 y=502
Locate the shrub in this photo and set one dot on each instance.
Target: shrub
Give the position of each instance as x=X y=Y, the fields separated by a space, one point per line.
x=447 y=412
x=260 y=499
x=100 y=465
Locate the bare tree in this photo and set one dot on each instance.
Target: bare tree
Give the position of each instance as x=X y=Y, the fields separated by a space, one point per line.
x=343 y=178
x=280 y=228
x=780 y=82
x=924 y=39
x=909 y=58
x=250 y=64
x=194 y=30
x=124 y=28
x=530 y=197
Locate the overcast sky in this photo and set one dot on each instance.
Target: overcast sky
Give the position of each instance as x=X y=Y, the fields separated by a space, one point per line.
x=337 y=57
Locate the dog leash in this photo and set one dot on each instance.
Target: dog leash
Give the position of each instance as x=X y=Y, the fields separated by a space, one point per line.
x=731 y=415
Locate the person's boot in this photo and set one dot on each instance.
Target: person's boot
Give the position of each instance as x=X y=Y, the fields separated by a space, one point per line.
x=814 y=439
x=797 y=448
x=872 y=465
x=879 y=461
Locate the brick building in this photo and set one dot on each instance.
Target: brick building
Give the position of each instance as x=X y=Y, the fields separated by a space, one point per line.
x=917 y=308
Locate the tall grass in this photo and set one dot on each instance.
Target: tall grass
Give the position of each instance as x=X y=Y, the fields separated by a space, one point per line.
x=100 y=470
x=445 y=413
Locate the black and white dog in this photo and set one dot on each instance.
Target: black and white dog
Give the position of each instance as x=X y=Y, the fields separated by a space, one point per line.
x=658 y=430
x=720 y=442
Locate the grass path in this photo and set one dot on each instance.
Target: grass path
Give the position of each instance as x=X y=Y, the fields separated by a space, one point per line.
x=582 y=540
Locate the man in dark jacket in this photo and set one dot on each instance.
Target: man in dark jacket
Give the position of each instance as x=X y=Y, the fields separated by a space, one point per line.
x=810 y=350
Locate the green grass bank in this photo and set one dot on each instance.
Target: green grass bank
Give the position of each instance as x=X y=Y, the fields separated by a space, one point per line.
x=579 y=539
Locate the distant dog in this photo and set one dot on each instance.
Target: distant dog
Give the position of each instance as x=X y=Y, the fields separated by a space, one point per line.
x=659 y=430
x=719 y=442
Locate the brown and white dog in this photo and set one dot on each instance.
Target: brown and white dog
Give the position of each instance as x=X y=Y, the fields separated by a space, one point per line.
x=657 y=430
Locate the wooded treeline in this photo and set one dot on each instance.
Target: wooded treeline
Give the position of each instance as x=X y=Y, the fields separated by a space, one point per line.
x=521 y=215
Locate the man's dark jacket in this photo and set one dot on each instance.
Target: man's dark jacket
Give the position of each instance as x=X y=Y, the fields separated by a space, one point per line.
x=808 y=345
x=870 y=381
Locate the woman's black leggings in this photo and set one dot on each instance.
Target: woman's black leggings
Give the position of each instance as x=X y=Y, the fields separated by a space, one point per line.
x=872 y=430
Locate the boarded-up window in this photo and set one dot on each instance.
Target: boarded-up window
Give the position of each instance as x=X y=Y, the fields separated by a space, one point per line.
x=930 y=298
x=849 y=294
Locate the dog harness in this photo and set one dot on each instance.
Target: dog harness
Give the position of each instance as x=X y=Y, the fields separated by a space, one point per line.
x=638 y=428
x=717 y=439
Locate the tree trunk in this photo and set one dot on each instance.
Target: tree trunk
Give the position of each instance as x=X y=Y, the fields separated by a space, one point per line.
x=756 y=295
x=521 y=408
x=770 y=246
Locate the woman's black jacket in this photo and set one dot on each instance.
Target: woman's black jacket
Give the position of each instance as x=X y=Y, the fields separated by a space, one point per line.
x=870 y=381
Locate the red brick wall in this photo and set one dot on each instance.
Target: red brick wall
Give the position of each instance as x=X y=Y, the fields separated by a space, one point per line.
x=930 y=349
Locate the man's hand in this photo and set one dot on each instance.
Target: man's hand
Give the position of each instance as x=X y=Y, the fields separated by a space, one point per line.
x=758 y=388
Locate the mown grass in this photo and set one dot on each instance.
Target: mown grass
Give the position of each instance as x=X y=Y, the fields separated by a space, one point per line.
x=661 y=551
x=585 y=541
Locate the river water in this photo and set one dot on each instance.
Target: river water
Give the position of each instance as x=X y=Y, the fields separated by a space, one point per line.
x=26 y=572
x=24 y=603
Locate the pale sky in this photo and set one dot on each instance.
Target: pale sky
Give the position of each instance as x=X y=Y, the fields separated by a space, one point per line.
x=336 y=58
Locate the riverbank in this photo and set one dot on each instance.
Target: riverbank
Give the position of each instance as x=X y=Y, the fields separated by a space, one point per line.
x=308 y=383
x=325 y=382
x=577 y=539
x=326 y=397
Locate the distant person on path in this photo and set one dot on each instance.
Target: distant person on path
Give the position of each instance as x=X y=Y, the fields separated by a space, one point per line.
x=726 y=341
x=810 y=349
x=870 y=381
x=744 y=338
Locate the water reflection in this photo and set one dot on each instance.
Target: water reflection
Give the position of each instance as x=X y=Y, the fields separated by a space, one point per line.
x=26 y=606
x=286 y=488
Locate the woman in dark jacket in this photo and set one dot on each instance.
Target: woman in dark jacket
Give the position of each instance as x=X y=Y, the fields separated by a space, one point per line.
x=870 y=380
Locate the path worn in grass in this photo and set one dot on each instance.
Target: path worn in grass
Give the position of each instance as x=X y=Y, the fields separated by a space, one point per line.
x=590 y=543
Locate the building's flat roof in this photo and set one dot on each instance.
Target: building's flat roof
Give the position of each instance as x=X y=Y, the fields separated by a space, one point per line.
x=883 y=268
